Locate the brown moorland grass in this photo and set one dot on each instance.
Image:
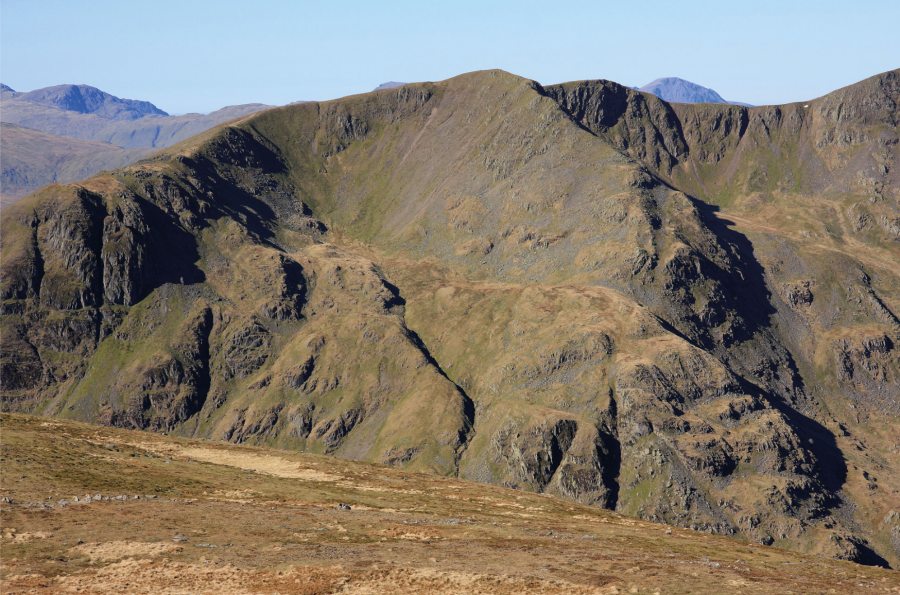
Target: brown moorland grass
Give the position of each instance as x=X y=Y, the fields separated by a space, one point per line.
x=259 y=520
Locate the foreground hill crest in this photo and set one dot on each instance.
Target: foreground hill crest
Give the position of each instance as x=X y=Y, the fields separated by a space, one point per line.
x=576 y=289
x=122 y=513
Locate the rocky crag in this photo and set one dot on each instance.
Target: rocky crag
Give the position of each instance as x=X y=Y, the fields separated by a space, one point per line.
x=686 y=313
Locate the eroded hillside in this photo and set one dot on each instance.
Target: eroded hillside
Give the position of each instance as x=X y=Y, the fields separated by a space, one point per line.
x=672 y=311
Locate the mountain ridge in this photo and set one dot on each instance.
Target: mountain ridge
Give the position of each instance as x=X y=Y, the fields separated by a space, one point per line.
x=152 y=131
x=676 y=90
x=85 y=99
x=575 y=289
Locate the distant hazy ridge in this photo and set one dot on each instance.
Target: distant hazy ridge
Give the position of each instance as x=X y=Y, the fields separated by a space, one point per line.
x=88 y=114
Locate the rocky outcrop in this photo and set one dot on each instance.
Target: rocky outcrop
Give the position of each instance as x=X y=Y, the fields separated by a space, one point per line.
x=555 y=455
x=247 y=347
x=870 y=365
x=124 y=255
x=643 y=125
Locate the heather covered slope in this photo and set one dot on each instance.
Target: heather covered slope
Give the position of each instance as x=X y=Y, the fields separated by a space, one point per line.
x=535 y=287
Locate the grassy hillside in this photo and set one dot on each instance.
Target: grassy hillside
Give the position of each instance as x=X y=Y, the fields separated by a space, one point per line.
x=105 y=510
x=556 y=289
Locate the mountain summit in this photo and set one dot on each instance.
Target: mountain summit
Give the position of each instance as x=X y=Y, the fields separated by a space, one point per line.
x=676 y=90
x=85 y=99
x=7 y=92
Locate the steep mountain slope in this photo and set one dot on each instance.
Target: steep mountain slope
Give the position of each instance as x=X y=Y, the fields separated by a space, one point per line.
x=33 y=159
x=682 y=312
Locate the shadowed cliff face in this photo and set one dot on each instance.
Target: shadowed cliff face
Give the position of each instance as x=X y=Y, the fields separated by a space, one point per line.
x=671 y=311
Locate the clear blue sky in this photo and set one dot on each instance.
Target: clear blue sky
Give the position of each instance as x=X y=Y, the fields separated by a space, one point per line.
x=189 y=55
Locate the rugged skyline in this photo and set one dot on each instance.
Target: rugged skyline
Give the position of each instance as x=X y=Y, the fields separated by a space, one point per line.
x=686 y=313
x=282 y=51
x=131 y=129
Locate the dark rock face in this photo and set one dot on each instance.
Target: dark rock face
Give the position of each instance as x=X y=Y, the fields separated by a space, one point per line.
x=21 y=363
x=71 y=273
x=332 y=431
x=173 y=385
x=124 y=254
x=537 y=455
x=301 y=422
x=241 y=429
x=644 y=126
x=296 y=378
x=869 y=364
x=247 y=348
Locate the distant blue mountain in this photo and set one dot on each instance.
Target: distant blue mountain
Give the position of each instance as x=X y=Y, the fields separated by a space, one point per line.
x=388 y=85
x=85 y=99
x=676 y=90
